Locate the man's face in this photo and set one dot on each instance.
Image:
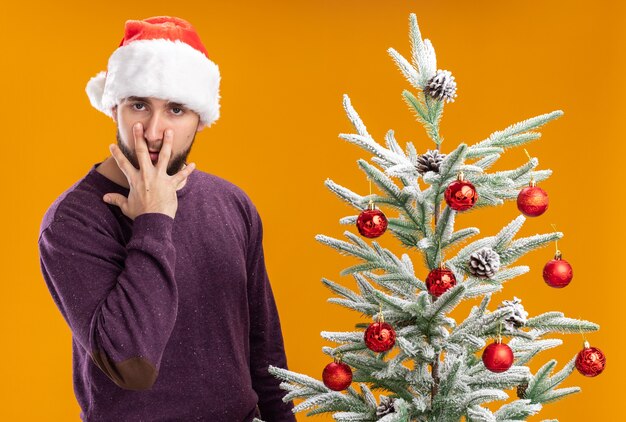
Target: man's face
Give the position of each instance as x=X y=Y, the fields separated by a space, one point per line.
x=156 y=115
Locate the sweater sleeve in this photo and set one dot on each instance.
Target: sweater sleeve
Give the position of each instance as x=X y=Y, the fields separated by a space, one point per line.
x=266 y=340
x=120 y=301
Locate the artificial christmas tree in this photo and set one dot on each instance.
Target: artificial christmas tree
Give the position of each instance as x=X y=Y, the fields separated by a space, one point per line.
x=434 y=370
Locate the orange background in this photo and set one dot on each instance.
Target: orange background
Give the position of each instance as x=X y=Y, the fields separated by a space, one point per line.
x=285 y=66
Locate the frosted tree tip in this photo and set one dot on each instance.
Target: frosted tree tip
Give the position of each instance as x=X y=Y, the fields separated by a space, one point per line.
x=320 y=237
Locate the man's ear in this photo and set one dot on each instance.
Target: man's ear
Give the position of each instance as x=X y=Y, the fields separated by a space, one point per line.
x=114 y=114
x=200 y=127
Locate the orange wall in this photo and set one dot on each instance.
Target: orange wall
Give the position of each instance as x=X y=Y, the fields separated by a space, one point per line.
x=285 y=66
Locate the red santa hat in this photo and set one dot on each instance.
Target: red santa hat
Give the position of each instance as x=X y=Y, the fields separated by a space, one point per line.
x=160 y=57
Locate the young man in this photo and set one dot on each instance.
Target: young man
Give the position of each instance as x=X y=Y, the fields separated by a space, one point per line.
x=158 y=268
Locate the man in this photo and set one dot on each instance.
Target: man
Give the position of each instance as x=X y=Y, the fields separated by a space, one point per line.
x=158 y=268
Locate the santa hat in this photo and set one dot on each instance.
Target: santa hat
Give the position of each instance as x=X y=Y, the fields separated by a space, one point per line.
x=160 y=57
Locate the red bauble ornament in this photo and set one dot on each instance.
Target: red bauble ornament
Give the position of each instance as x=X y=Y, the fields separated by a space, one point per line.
x=532 y=201
x=380 y=337
x=461 y=195
x=558 y=272
x=371 y=222
x=590 y=361
x=439 y=281
x=337 y=375
x=498 y=357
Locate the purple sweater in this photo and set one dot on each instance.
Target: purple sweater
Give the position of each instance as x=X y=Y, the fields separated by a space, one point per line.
x=171 y=319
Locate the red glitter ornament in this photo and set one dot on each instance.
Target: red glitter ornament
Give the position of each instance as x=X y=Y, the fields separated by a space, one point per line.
x=439 y=281
x=498 y=357
x=558 y=272
x=532 y=201
x=337 y=375
x=461 y=195
x=380 y=337
x=590 y=361
x=371 y=222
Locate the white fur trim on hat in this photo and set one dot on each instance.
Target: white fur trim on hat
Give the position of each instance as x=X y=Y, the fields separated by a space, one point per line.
x=160 y=68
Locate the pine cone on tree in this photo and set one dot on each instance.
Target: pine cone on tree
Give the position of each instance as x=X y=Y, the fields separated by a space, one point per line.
x=441 y=86
x=521 y=390
x=518 y=314
x=386 y=406
x=430 y=161
x=484 y=263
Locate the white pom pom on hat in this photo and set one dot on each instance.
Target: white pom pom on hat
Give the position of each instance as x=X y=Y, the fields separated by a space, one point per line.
x=160 y=57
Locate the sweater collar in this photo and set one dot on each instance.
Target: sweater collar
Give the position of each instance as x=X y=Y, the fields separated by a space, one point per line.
x=108 y=185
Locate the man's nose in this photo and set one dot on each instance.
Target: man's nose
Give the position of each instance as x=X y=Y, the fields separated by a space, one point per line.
x=154 y=128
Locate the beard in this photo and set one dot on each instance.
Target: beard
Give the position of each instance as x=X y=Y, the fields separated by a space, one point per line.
x=176 y=161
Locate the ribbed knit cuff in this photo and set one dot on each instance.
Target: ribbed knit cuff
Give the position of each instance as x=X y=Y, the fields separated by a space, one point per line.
x=153 y=224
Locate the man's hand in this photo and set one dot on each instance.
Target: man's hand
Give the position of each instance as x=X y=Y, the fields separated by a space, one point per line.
x=151 y=188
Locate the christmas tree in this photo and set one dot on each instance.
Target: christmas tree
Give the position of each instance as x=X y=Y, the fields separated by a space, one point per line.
x=425 y=365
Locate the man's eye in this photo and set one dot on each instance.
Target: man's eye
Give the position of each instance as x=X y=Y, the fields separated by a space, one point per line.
x=138 y=104
x=179 y=112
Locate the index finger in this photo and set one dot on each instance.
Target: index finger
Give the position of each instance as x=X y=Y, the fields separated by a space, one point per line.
x=122 y=162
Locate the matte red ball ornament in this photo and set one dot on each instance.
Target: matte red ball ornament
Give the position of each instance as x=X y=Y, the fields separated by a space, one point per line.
x=337 y=375
x=590 y=361
x=558 y=272
x=380 y=337
x=532 y=201
x=498 y=357
x=461 y=195
x=371 y=222
x=439 y=281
